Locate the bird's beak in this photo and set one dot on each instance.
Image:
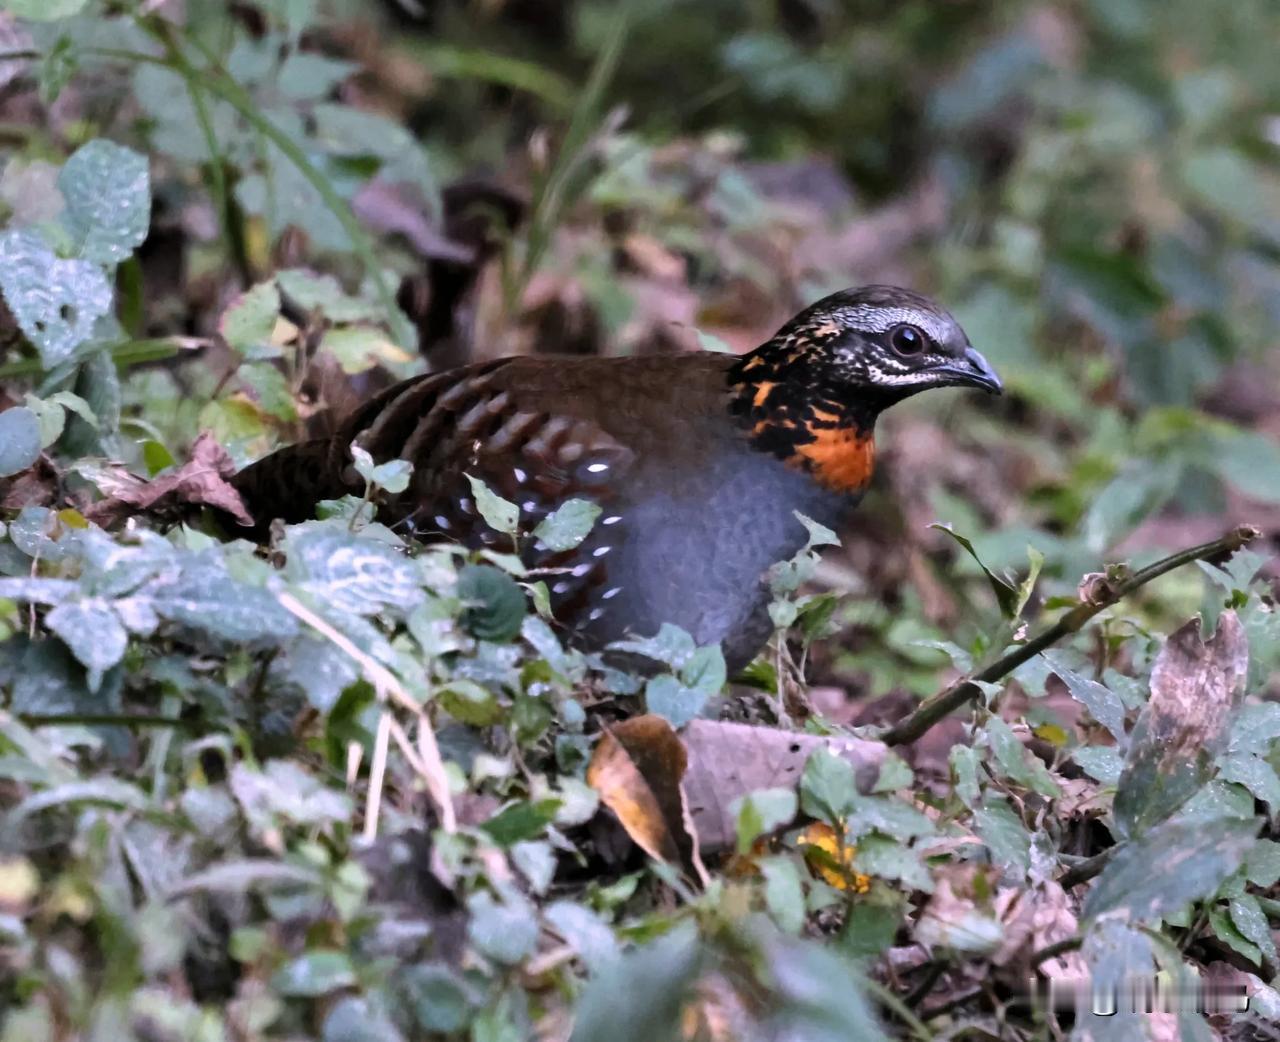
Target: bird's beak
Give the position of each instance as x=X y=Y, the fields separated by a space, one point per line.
x=971 y=371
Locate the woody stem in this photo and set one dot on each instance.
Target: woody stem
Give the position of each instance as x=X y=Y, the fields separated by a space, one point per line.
x=930 y=711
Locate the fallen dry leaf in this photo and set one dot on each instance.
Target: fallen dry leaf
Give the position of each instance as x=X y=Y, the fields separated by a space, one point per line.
x=1042 y=916
x=729 y=760
x=637 y=769
x=201 y=481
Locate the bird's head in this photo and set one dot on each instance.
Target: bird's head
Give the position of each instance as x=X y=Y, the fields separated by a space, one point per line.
x=816 y=387
x=885 y=341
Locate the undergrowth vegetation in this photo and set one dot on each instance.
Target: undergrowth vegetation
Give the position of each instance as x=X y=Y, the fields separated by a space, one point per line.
x=341 y=785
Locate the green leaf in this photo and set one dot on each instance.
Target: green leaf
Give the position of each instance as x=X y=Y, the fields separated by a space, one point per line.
x=888 y=815
x=1006 y=596
x=391 y=476
x=585 y=932
x=108 y=192
x=43 y=10
x=783 y=893
x=672 y=700
x=1003 y=833
x=521 y=821
x=1256 y=775
x=470 y=703
x=568 y=525
x=639 y=996
x=442 y=1000
x=1025 y=588
x=355 y=1019
x=762 y=813
x=536 y=861
x=248 y=323
x=505 y=931
x=1104 y=705
x=495 y=603
x=671 y=646
x=870 y=926
x=314 y=974
x=828 y=787
x=93 y=632
x=499 y=514
x=1227 y=931
x=20 y=440
x=56 y=302
x=1017 y=761
x=1251 y=921
x=351 y=573
x=1250 y=461
x=886 y=858
x=1101 y=762
x=1195 y=858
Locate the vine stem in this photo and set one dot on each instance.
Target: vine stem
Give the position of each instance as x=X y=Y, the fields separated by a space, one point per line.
x=1104 y=595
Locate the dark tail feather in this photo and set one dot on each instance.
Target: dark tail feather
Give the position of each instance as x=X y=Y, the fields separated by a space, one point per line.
x=288 y=483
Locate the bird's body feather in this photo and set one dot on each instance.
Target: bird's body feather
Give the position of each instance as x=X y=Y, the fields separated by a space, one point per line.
x=698 y=462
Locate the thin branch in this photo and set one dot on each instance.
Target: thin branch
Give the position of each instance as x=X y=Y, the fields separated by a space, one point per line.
x=1052 y=951
x=105 y=720
x=1087 y=869
x=944 y=703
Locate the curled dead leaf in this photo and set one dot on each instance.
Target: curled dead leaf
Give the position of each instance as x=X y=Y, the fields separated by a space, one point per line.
x=637 y=769
x=676 y=798
x=201 y=481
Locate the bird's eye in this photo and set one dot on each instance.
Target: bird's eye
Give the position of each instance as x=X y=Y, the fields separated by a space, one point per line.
x=907 y=340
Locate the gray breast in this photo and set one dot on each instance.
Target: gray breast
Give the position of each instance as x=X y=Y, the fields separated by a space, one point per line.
x=693 y=550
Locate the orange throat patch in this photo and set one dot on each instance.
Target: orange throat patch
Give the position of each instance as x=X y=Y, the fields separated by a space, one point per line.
x=840 y=458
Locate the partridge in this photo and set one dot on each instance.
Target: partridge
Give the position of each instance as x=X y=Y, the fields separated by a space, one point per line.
x=698 y=462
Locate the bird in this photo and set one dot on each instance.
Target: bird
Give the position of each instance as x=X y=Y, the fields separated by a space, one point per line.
x=699 y=463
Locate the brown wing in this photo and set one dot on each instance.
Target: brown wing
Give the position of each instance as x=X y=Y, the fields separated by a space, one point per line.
x=522 y=426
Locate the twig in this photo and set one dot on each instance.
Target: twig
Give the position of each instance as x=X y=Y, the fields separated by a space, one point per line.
x=920 y=992
x=389 y=689
x=944 y=703
x=1087 y=868
x=1052 y=951
x=105 y=720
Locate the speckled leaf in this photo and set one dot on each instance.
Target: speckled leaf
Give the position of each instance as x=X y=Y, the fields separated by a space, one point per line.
x=204 y=596
x=92 y=631
x=584 y=931
x=19 y=440
x=362 y=576
x=1104 y=705
x=1194 y=859
x=55 y=302
x=568 y=525
x=108 y=192
x=43 y=10
x=506 y=931
x=1195 y=687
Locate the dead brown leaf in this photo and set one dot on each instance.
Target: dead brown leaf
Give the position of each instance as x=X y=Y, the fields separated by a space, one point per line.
x=201 y=481
x=637 y=769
